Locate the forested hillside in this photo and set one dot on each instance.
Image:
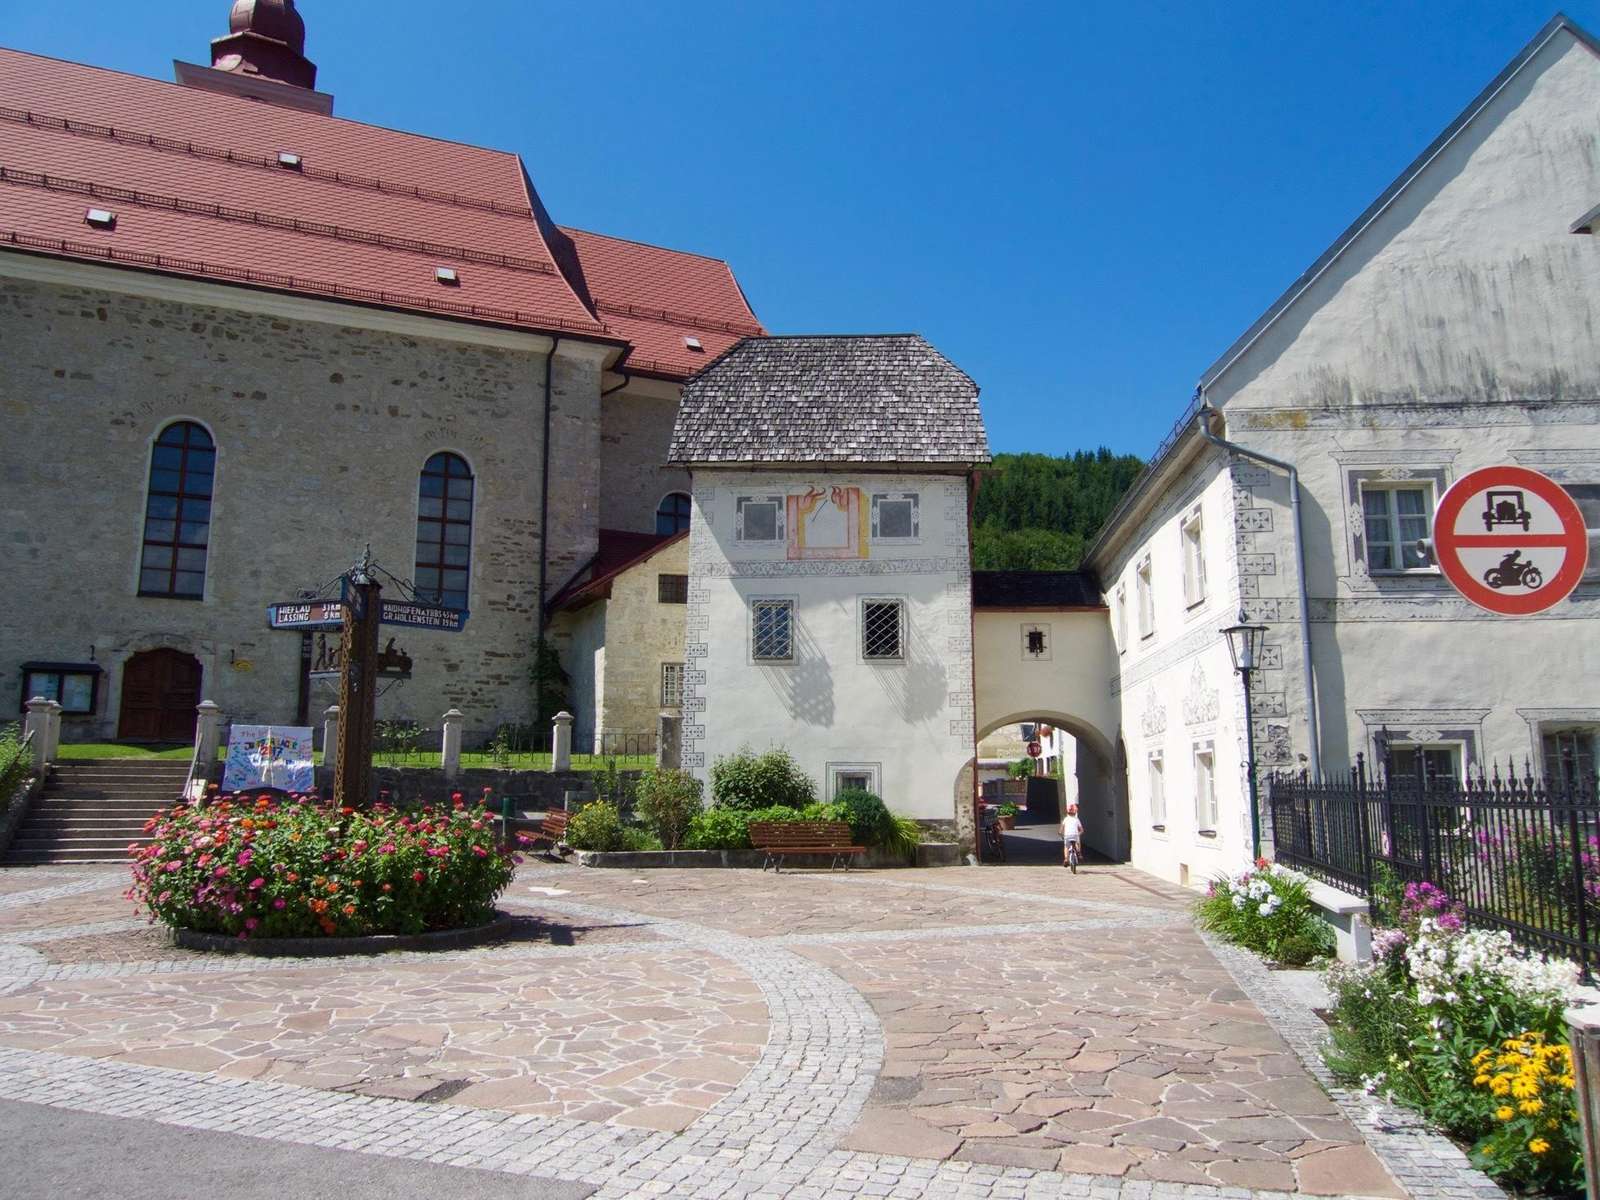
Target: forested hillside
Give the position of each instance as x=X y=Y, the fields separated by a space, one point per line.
x=1037 y=512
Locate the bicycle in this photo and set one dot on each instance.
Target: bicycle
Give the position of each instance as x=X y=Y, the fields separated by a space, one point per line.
x=993 y=845
x=1074 y=855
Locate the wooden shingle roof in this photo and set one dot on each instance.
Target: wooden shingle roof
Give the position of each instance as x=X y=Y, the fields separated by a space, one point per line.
x=880 y=398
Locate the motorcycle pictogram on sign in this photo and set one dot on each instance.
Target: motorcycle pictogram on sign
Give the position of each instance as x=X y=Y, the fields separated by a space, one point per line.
x=1533 y=547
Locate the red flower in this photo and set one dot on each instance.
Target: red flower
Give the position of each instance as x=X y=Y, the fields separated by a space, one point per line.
x=418 y=876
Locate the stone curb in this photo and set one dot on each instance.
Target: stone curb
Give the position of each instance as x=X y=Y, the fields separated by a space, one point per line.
x=333 y=947
x=929 y=854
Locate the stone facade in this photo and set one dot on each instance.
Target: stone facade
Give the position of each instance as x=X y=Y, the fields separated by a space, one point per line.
x=635 y=431
x=321 y=430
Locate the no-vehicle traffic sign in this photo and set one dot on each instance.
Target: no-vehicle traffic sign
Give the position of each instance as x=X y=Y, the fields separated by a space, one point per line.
x=1510 y=540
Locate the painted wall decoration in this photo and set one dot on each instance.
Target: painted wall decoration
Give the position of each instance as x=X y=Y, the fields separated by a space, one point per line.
x=827 y=523
x=275 y=756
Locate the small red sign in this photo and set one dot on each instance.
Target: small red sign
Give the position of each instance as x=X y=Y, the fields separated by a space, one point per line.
x=1034 y=749
x=1510 y=540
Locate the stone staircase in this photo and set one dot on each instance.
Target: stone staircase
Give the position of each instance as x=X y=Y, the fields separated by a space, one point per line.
x=91 y=811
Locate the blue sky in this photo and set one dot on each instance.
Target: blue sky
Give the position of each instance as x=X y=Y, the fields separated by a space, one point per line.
x=1081 y=203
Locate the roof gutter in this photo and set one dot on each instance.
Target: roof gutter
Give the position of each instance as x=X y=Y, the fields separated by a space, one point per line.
x=1203 y=425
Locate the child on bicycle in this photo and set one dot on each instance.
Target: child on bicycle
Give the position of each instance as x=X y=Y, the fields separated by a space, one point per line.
x=1071 y=836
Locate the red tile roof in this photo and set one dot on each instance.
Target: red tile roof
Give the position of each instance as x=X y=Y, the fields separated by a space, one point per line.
x=194 y=179
x=619 y=551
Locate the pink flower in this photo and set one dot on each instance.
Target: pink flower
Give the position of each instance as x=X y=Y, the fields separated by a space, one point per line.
x=480 y=852
x=244 y=857
x=164 y=897
x=386 y=848
x=251 y=922
x=175 y=865
x=278 y=903
x=219 y=872
x=255 y=883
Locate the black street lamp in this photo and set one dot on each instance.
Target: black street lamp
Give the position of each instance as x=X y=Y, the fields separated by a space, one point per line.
x=1244 y=644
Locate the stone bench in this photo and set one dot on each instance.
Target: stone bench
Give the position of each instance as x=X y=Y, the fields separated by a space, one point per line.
x=1350 y=917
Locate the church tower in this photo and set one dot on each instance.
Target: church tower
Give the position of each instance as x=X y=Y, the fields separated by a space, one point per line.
x=261 y=58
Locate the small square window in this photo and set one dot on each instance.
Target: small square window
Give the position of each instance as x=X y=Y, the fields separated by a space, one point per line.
x=759 y=519
x=671 y=685
x=854 y=777
x=672 y=589
x=882 y=629
x=772 y=630
x=895 y=516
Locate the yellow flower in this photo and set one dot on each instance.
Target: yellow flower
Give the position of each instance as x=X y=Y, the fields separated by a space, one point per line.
x=1567 y=1081
x=1531 y=1106
x=1479 y=1080
x=1538 y=1146
x=1500 y=1086
x=1522 y=1089
x=1511 y=1044
x=1505 y=1112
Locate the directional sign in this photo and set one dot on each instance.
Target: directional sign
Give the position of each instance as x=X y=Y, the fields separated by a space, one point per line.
x=1510 y=540
x=416 y=615
x=299 y=614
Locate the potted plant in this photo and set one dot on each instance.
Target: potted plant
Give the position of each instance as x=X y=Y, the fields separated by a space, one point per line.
x=1008 y=816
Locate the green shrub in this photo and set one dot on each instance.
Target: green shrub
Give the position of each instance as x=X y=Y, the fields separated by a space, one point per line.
x=718 y=829
x=747 y=781
x=300 y=868
x=1009 y=809
x=595 y=826
x=13 y=768
x=636 y=838
x=1263 y=909
x=667 y=800
x=1021 y=769
x=1297 y=950
x=904 y=839
x=823 y=812
x=871 y=824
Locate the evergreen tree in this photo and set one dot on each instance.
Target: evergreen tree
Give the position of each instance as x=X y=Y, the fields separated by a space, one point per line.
x=1038 y=512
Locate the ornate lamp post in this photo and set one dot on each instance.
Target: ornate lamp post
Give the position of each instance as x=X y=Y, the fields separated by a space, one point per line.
x=1244 y=644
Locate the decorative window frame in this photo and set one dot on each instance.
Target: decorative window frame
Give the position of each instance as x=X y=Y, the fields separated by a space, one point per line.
x=915 y=537
x=778 y=519
x=873 y=771
x=1386 y=727
x=1144 y=587
x=1156 y=767
x=1387 y=469
x=1204 y=827
x=1551 y=720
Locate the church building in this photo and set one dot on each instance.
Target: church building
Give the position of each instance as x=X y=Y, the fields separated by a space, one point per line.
x=245 y=338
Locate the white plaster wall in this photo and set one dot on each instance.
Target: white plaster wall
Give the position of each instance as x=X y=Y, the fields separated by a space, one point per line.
x=912 y=718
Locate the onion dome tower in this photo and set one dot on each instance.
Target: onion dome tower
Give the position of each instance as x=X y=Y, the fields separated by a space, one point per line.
x=266 y=39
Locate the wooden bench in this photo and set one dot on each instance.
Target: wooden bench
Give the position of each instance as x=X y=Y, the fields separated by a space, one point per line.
x=552 y=830
x=779 y=839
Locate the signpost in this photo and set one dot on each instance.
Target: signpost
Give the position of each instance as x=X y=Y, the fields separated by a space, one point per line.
x=357 y=614
x=1510 y=540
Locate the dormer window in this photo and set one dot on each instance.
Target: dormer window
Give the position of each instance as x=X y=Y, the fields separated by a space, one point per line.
x=447 y=276
x=288 y=161
x=693 y=343
x=101 y=218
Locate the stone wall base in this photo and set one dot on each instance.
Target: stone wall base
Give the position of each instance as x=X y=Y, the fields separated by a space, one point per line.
x=929 y=854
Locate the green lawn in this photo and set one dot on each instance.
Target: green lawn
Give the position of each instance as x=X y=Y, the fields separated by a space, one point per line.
x=78 y=751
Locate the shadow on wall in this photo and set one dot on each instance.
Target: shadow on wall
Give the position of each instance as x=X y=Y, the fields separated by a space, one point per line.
x=917 y=687
x=804 y=686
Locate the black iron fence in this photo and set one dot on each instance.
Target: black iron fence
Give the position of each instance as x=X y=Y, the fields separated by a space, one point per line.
x=1518 y=853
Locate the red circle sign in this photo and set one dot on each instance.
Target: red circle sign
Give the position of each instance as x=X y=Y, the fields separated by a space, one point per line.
x=1510 y=540
x=1034 y=750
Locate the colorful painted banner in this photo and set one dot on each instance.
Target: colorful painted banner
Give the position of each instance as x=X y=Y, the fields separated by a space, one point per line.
x=274 y=756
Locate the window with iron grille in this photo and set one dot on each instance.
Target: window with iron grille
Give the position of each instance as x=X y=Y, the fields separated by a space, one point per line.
x=1588 y=497
x=772 y=630
x=177 y=513
x=759 y=519
x=895 y=516
x=672 y=589
x=444 y=530
x=882 y=629
x=671 y=685
x=1569 y=755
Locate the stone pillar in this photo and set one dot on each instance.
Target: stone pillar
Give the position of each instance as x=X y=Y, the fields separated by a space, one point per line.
x=207 y=731
x=38 y=725
x=669 y=741
x=561 y=742
x=330 y=733
x=52 y=740
x=450 y=754
x=1583 y=1027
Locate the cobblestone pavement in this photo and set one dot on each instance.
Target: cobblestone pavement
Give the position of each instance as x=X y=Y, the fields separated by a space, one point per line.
x=1016 y=1032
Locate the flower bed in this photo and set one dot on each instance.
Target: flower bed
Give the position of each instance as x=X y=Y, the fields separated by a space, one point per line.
x=1267 y=909
x=1467 y=1030
x=295 y=867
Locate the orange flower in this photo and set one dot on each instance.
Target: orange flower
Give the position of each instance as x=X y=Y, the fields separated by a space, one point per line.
x=349 y=910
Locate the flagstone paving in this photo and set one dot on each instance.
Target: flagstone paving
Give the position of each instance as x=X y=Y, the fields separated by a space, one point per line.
x=967 y=1032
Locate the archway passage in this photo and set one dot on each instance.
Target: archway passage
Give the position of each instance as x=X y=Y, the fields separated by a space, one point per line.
x=160 y=690
x=1095 y=783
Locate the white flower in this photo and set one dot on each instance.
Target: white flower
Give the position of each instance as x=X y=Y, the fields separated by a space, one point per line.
x=1238 y=901
x=1264 y=909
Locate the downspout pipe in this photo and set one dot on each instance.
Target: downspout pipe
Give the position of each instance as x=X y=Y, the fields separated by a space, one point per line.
x=1313 y=725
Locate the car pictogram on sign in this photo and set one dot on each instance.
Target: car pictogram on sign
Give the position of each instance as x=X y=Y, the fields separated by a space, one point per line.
x=1533 y=547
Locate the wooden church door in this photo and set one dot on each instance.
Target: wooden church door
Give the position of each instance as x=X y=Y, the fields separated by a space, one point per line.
x=160 y=689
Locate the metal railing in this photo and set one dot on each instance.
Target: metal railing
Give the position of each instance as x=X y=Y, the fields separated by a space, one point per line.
x=1518 y=853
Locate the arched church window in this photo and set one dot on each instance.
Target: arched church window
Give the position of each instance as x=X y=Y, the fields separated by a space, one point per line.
x=444 y=530
x=177 y=513
x=672 y=515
